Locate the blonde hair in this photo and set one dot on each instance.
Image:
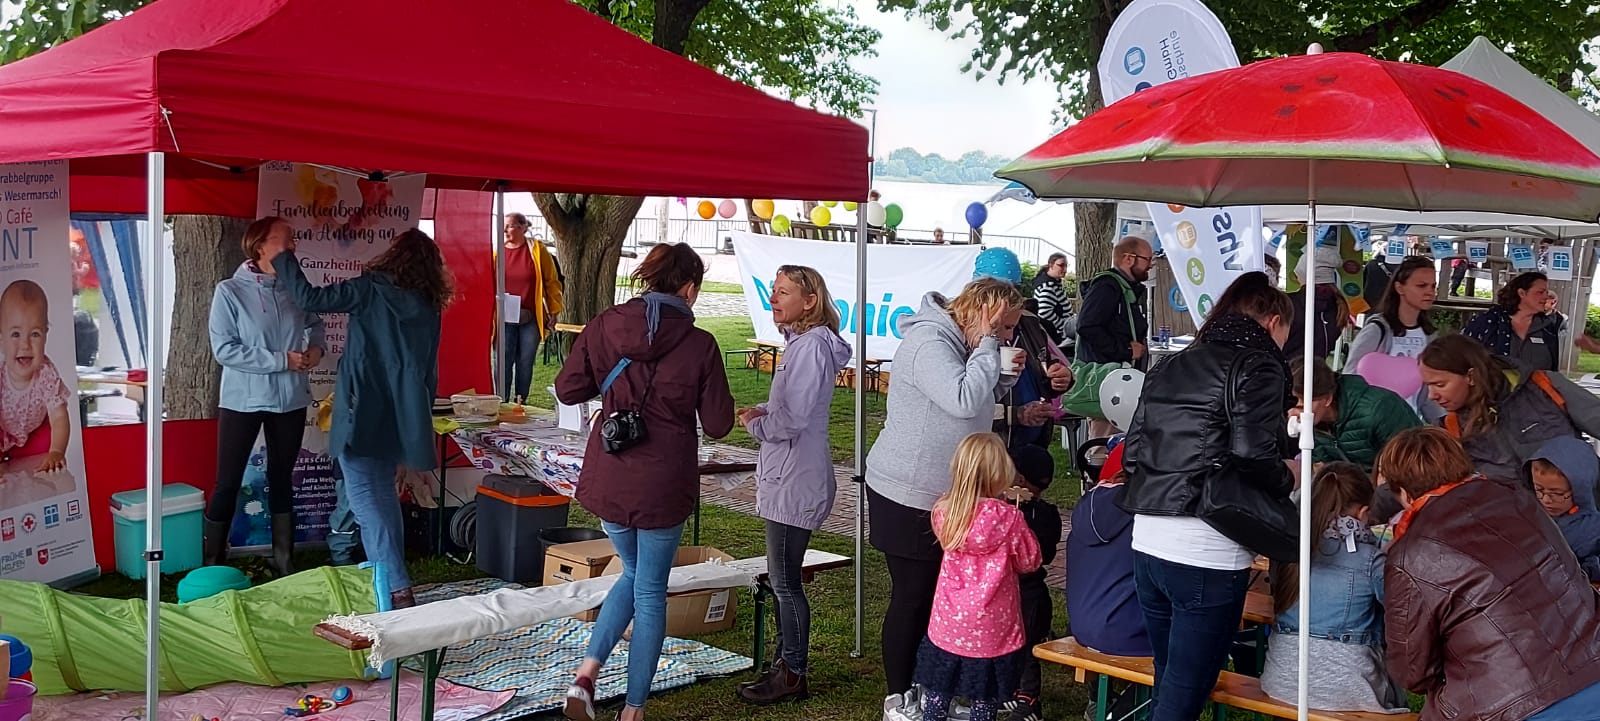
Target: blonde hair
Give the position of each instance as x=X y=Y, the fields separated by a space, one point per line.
x=981 y=469
x=810 y=283
x=980 y=298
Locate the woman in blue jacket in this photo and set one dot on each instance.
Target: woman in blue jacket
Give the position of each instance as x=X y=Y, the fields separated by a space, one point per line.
x=383 y=399
x=266 y=345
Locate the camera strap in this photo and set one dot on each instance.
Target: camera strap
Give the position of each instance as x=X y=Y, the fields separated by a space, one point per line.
x=616 y=373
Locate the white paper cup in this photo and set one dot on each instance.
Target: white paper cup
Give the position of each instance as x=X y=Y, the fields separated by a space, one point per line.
x=1011 y=359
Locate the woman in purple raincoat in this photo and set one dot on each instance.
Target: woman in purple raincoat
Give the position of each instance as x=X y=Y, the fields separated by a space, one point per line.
x=794 y=475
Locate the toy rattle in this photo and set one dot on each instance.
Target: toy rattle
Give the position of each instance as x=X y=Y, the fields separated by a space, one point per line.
x=311 y=704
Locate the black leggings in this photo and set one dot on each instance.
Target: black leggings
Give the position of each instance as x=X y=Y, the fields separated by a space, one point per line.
x=911 y=585
x=236 y=438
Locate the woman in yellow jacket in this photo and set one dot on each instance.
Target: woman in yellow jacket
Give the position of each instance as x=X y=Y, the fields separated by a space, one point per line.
x=530 y=275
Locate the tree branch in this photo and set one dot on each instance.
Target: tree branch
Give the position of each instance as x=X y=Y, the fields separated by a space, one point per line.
x=1415 y=16
x=673 y=22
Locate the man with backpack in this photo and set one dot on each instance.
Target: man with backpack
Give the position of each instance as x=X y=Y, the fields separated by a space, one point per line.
x=1112 y=325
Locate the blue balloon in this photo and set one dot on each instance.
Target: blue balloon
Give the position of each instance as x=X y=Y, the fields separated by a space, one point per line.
x=976 y=214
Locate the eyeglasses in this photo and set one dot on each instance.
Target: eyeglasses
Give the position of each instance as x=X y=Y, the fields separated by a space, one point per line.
x=1145 y=258
x=1552 y=495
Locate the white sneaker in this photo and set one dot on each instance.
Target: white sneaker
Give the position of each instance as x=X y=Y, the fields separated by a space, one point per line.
x=903 y=707
x=960 y=711
x=580 y=704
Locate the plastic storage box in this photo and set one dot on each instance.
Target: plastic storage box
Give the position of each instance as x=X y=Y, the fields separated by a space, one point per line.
x=182 y=507
x=511 y=513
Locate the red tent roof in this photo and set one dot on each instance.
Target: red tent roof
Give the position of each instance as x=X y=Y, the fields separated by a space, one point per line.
x=539 y=93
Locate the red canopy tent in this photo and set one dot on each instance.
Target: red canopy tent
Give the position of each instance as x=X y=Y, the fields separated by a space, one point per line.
x=494 y=95
x=539 y=93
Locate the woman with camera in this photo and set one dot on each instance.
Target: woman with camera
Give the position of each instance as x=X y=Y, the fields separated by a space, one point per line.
x=653 y=370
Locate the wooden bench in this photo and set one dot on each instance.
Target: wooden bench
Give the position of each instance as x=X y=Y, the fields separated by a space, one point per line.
x=815 y=562
x=432 y=662
x=1233 y=690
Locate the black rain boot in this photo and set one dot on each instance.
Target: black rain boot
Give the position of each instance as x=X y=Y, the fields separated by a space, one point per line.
x=214 y=543
x=282 y=544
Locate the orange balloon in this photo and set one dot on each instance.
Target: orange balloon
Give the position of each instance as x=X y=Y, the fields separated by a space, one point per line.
x=706 y=209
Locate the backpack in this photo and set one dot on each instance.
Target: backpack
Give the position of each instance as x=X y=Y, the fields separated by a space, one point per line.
x=1083 y=398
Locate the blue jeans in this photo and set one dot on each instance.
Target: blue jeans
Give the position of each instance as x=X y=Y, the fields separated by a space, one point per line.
x=1581 y=706
x=640 y=596
x=522 y=344
x=343 y=533
x=1192 y=615
x=786 y=555
x=369 y=484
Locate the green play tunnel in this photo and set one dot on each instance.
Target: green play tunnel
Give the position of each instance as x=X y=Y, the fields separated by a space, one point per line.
x=258 y=636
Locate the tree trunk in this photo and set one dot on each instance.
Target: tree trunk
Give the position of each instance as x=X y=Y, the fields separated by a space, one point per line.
x=589 y=231
x=1094 y=223
x=205 y=250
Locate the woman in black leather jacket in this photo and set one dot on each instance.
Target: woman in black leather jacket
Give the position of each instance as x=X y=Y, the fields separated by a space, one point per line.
x=1214 y=413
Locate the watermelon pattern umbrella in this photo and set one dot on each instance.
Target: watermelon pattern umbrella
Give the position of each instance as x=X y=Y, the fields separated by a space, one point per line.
x=1335 y=128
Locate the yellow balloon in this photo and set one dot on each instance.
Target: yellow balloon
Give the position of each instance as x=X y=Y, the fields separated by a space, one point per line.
x=850 y=205
x=780 y=224
x=829 y=203
x=707 y=209
x=764 y=208
x=821 y=216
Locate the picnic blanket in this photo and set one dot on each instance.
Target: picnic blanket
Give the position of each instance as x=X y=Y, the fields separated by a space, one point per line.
x=242 y=702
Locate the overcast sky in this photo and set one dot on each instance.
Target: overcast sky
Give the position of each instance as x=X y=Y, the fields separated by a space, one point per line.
x=926 y=102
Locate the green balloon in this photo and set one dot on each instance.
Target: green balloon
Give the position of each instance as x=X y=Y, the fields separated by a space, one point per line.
x=780 y=224
x=892 y=215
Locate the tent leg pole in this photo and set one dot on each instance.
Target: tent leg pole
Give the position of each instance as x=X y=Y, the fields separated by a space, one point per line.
x=155 y=260
x=861 y=398
x=502 y=389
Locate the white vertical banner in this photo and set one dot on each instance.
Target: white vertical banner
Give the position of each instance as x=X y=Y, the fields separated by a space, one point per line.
x=1159 y=41
x=44 y=521
x=1558 y=261
x=341 y=223
x=901 y=275
x=1478 y=251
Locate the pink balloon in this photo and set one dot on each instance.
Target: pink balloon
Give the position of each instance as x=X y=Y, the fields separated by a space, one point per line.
x=727 y=209
x=1396 y=373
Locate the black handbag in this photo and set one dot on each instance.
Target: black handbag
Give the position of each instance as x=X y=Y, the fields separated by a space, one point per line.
x=1245 y=513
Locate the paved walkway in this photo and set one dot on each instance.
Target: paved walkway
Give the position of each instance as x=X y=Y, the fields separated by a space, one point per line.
x=710 y=305
x=842 y=520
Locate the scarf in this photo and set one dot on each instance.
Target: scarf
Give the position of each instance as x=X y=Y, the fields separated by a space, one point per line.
x=1411 y=513
x=1240 y=330
x=653 y=302
x=1351 y=531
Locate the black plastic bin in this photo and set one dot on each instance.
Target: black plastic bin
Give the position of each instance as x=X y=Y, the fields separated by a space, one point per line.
x=513 y=514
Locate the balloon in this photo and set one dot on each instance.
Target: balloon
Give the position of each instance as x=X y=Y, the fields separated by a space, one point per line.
x=893 y=215
x=976 y=214
x=850 y=205
x=1396 y=373
x=829 y=203
x=764 y=209
x=727 y=209
x=780 y=224
x=876 y=214
x=706 y=209
x=821 y=216
x=1119 y=396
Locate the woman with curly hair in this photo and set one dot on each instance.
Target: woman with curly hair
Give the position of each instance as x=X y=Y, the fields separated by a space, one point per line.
x=383 y=399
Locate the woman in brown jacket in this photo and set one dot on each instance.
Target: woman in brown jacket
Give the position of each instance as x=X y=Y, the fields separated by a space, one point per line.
x=653 y=370
x=1488 y=611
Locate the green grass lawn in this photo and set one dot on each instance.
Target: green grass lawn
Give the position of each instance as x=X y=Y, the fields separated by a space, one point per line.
x=843 y=686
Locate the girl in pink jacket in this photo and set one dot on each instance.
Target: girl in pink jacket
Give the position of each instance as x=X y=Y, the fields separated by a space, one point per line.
x=975 y=633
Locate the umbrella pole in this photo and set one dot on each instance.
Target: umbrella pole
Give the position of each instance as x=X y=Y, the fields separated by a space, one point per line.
x=1307 y=443
x=861 y=399
x=500 y=381
x=155 y=361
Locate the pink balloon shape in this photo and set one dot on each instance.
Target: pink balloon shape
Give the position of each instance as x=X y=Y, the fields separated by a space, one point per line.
x=1396 y=373
x=727 y=209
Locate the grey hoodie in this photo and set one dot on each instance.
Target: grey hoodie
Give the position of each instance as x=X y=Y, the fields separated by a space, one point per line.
x=939 y=393
x=794 y=475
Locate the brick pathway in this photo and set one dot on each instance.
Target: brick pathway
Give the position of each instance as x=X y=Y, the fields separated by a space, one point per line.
x=842 y=520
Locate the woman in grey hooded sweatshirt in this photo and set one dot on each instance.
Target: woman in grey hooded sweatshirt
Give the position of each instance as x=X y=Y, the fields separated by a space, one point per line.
x=794 y=475
x=946 y=381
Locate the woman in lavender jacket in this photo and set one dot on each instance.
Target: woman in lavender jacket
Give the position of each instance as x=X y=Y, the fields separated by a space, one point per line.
x=794 y=475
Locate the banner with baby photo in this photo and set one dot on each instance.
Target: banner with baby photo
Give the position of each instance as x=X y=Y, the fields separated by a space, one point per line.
x=44 y=522
x=341 y=221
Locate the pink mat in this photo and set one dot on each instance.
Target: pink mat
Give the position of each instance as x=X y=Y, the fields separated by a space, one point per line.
x=240 y=702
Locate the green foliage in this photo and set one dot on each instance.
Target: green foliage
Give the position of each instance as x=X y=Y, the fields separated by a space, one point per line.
x=974 y=167
x=800 y=50
x=1060 y=40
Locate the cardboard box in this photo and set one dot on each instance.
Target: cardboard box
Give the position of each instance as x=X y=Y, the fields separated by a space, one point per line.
x=700 y=612
x=570 y=562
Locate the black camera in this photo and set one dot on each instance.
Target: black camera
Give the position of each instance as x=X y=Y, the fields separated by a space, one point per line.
x=622 y=430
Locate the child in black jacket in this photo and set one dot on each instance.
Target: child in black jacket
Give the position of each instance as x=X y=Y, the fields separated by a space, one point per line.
x=1035 y=469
